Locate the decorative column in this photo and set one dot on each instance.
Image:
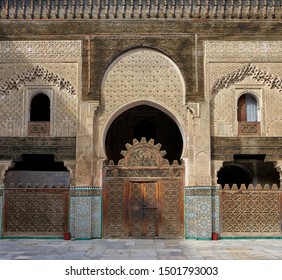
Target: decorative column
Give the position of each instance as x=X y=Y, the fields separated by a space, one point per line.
x=86 y=196
x=85 y=140
x=201 y=199
x=201 y=138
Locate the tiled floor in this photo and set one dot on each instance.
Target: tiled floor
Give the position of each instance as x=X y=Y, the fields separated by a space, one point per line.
x=132 y=249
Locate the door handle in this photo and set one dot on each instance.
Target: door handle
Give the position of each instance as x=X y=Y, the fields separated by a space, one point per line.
x=142 y=205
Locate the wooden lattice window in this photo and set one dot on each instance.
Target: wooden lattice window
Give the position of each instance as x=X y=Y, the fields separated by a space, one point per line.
x=247 y=113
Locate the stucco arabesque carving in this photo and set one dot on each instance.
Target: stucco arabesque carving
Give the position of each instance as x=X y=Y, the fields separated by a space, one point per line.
x=247 y=70
x=38 y=71
x=49 y=51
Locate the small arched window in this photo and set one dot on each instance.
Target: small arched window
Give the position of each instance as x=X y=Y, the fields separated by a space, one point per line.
x=247 y=108
x=247 y=113
x=40 y=108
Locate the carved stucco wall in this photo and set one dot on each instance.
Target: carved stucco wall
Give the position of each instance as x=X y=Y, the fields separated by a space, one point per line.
x=233 y=68
x=142 y=76
x=26 y=68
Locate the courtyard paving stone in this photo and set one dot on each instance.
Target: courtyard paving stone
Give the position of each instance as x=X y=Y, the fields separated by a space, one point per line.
x=142 y=249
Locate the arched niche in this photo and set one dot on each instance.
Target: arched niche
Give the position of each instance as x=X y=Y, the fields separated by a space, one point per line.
x=143 y=121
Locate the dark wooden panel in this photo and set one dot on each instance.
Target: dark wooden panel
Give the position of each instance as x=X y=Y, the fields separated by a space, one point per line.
x=143 y=209
x=114 y=209
x=36 y=211
x=135 y=211
x=37 y=179
x=172 y=209
x=62 y=147
x=223 y=148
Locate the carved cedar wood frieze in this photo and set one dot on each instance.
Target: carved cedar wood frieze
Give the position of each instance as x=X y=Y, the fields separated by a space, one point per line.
x=143 y=154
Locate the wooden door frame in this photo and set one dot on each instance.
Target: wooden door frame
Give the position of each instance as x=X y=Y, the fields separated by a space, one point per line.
x=143 y=162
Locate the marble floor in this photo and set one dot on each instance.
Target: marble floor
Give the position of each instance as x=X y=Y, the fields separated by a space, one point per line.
x=140 y=249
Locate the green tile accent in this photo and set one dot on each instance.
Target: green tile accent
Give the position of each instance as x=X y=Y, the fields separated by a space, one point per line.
x=84 y=238
x=250 y=237
x=203 y=238
x=198 y=238
x=101 y=221
x=190 y=237
x=32 y=237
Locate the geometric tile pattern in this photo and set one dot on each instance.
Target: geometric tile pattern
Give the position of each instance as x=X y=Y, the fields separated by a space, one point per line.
x=86 y=212
x=215 y=210
x=191 y=216
x=96 y=216
x=72 y=216
x=82 y=217
x=199 y=212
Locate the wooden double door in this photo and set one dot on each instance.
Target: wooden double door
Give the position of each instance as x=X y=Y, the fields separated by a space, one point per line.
x=143 y=209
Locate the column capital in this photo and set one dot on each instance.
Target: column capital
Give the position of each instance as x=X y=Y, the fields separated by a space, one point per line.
x=92 y=106
x=194 y=108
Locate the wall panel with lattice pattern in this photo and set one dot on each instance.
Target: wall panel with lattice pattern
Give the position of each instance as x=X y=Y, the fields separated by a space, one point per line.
x=251 y=212
x=36 y=211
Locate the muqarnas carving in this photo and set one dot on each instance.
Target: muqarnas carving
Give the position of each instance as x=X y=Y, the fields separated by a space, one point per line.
x=28 y=76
